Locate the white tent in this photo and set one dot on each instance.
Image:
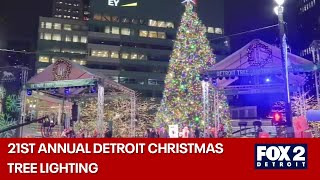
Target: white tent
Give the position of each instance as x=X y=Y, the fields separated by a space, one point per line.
x=76 y=78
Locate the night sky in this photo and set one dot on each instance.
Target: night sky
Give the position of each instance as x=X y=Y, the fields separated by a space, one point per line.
x=21 y=19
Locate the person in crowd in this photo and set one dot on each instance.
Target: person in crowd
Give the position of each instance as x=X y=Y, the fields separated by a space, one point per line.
x=197 y=132
x=147 y=133
x=163 y=133
x=108 y=133
x=95 y=134
x=191 y=133
x=153 y=133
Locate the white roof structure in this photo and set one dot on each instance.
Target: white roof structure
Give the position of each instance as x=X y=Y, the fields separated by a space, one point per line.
x=257 y=56
x=77 y=76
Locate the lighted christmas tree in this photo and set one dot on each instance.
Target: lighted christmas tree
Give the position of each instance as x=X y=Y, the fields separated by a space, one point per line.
x=192 y=55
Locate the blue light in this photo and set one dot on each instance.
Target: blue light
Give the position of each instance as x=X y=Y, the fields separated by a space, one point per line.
x=29 y=92
x=67 y=91
x=93 y=89
x=268 y=80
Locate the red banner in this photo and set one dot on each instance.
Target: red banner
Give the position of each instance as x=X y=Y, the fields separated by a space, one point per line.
x=153 y=158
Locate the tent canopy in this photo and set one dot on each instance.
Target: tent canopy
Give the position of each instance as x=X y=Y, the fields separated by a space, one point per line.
x=258 y=58
x=67 y=74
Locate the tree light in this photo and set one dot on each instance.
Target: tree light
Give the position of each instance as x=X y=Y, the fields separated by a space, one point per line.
x=279 y=2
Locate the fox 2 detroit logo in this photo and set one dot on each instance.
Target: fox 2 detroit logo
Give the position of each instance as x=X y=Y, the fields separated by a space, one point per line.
x=281 y=156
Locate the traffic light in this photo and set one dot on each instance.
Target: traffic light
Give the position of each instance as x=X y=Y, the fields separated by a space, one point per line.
x=277 y=119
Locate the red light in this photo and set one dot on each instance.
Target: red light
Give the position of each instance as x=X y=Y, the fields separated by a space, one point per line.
x=277 y=117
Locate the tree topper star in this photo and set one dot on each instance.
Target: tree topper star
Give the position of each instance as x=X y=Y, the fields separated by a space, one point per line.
x=188 y=1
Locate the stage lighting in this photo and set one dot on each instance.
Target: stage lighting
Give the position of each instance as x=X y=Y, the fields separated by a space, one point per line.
x=93 y=89
x=66 y=91
x=29 y=92
x=268 y=80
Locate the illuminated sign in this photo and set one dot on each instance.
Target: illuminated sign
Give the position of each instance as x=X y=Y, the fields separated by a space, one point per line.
x=115 y=3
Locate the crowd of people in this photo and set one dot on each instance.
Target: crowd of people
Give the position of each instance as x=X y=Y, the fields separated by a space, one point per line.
x=70 y=133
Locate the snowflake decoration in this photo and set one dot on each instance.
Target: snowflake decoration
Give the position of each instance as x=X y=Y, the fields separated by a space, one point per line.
x=13 y=103
x=6 y=121
x=2 y=92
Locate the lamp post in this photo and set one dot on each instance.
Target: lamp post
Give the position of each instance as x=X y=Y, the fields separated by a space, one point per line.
x=284 y=58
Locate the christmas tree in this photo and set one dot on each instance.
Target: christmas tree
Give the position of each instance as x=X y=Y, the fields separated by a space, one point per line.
x=192 y=55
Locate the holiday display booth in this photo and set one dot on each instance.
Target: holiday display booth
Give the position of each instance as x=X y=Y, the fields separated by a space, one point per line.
x=257 y=69
x=56 y=92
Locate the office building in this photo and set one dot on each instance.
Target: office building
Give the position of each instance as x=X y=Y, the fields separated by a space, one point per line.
x=68 y=9
x=129 y=41
x=308 y=25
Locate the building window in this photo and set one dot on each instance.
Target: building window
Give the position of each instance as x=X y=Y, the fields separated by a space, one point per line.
x=56 y=37
x=161 y=35
x=125 y=31
x=218 y=31
x=68 y=38
x=44 y=59
x=142 y=57
x=125 y=55
x=107 y=29
x=47 y=36
x=57 y=26
x=106 y=18
x=53 y=60
x=97 y=17
x=41 y=35
x=115 y=19
x=162 y=24
x=43 y=25
x=125 y=20
x=40 y=70
x=152 y=23
x=82 y=63
x=134 y=56
x=115 y=30
x=114 y=55
x=143 y=33
x=83 y=39
x=96 y=53
x=153 y=34
x=211 y=30
x=67 y=27
x=170 y=25
x=134 y=21
x=75 y=38
x=48 y=25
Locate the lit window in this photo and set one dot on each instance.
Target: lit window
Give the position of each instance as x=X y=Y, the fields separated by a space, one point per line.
x=134 y=56
x=210 y=30
x=56 y=37
x=107 y=30
x=141 y=56
x=67 y=27
x=125 y=20
x=44 y=59
x=48 y=25
x=57 y=26
x=143 y=33
x=162 y=24
x=153 y=34
x=125 y=55
x=115 y=19
x=83 y=39
x=161 y=35
x=125 y=31
x=218 y=31
x=152 y=23
x=47 y=36
x=134 y=21
x=43 y=25
x=40 y=70
x=97 y=17
x=115 y=30
x=53 y=60
x=170 y=25
x=41 y=35
x=68 y=38
x=114 y=55
x=82 y=63
x=75 y=38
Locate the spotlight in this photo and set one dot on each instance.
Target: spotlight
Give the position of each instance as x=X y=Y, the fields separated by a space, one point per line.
x=268 y=80
x=29 y=92
x=93 y=89
x=67 y=91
